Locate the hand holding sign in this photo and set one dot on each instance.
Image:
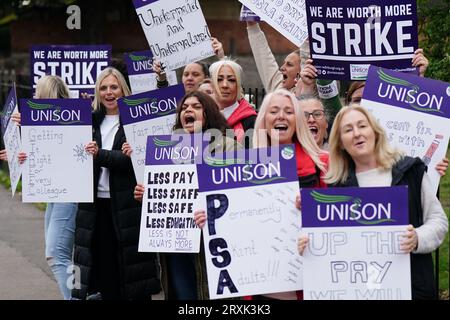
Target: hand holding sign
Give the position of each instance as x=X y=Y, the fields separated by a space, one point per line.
x=126 y=149
x=139 y=192
x=302 y=242
x=159 y=70
x=410 y=240
x=307 y=82
x=92 y=148
x=200 y=218
x=3 y=155
x=419 y=60
x=218 y=48
x=442 y=167
x=16 y=118
x=22 y=156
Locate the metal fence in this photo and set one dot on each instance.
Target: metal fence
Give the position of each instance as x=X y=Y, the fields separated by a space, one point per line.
x=255 y=96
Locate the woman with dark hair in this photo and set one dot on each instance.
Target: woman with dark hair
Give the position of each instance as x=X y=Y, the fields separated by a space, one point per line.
x=205 y=111
x=183 y=275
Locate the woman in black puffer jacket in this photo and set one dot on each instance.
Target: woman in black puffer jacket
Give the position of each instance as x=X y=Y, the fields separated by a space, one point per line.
x=107 y=231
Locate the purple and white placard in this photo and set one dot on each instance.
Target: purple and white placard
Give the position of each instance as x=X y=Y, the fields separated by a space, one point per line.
x=171 y=191
x=354 y=251
x=414 y=111
x=54 y=135
x=78 y=66
x=11 y=138
x=252 y=224
x=148 y=113
x=346 y=37
x=141 y=74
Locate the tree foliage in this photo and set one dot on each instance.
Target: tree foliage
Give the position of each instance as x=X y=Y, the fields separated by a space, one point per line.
x=434 y=31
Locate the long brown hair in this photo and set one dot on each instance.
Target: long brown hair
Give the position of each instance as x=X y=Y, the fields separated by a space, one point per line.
x=213 y=117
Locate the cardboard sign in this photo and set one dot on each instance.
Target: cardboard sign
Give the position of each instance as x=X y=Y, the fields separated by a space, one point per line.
x=176 y=31
x=345 y=37
x=288 y=17
x=171 y=190
x=354 y=244
x=54 y=134
x=414 y=111
x=252 y=227
x=78 y=66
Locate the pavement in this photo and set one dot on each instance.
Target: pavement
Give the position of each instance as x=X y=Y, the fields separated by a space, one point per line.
x=24 y=273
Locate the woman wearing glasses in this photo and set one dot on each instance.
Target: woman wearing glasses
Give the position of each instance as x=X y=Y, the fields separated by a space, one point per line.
x=316 y=119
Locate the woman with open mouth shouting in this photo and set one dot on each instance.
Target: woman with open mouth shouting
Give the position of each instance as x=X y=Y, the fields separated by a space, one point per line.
x=272 y=76
x=184 y=274
x=281 y=121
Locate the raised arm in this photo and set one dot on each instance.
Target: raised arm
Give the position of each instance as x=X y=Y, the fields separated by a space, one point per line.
x=266 y=64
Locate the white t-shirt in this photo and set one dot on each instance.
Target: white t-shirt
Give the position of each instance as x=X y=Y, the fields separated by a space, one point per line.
x=377 y=177
x=108 y=129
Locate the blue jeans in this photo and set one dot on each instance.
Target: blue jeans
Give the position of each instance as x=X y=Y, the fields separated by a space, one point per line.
x=59 y=237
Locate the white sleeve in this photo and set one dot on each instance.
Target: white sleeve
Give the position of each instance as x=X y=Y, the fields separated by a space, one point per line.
x=265 y=61
x=435 y=223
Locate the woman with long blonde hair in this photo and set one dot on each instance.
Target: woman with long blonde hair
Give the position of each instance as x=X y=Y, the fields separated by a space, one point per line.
x=107 y=230
x=362 y=157
x=280 y=120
